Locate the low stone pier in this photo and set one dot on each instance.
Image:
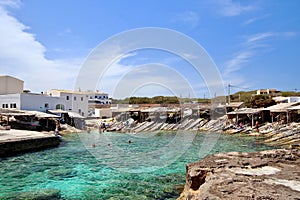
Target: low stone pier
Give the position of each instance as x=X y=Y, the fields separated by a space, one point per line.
x=19 y=141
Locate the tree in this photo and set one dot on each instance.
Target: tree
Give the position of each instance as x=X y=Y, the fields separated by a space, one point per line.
x=261 y=101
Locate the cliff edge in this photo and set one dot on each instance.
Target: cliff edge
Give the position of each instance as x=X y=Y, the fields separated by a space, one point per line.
x=272 y=174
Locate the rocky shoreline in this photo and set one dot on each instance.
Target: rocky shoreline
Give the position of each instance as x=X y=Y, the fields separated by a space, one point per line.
x=271 y=134
x=272 y=174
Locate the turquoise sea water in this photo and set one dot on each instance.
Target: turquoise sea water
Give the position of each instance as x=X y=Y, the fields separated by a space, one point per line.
x=75 y=173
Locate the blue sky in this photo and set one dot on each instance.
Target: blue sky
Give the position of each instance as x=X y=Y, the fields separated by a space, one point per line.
x=254 y=44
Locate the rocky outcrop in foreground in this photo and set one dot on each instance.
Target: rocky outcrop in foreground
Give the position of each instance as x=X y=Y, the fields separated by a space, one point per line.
x=272 y=174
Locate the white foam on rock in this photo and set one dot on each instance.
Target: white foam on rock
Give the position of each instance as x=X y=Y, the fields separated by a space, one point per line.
x=294 y=185
x=266 y=170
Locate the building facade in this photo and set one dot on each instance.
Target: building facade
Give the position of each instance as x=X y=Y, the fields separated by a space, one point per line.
x=286 y=99
x=12 y=96
x=98 y=98
x=74 y=101
x=266 y=91
x=10 y=101
x=11 y=85
x=30 y=101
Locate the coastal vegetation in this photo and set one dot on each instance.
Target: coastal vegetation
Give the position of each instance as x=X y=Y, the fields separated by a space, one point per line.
x=250 y=98
x=154 y=100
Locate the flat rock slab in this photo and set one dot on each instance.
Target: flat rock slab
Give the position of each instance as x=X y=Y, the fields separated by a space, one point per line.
x=272 y=174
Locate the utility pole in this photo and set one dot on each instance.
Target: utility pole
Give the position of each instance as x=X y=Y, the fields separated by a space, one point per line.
x=228 y=93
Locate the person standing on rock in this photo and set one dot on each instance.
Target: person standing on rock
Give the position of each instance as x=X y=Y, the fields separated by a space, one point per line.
x=57 y=126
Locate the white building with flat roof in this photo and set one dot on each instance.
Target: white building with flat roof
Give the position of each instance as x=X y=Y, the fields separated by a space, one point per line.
x=98 y=98
x=11 y=85
x=12 y=96
x=30 y=101
x=266 y=91
x=286 y=99
x=75 y=101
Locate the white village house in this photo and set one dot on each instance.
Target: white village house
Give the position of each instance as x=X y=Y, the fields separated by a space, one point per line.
x=30 y=101
x=83 y=103
x=73 y=101
x=12 y=96
x=98 y=98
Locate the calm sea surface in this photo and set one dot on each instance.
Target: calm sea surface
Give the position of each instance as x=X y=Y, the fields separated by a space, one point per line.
x=94 y=166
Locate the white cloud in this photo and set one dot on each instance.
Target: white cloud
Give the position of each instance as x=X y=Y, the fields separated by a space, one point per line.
x=250 y=21
x=189 y=18
x=65 y=32
x=254 y=19
x=230 y=8
x=142 y=80
x=237 y=61
x=10 y=3
x=253 y=46
x=23 y=56
x=258 y=37
x=289 y=34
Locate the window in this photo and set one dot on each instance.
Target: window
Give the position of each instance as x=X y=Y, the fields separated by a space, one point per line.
x=91 y=97
x=46 y=105
x=60 y=106
x=13 y=105
x=74 y=98
x=81 y=98
x=79 y=110
x=4 y=105
x=67 y=97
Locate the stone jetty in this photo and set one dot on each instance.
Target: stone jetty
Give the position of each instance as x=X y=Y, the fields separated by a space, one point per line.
x=272 y=174
x=18 y=141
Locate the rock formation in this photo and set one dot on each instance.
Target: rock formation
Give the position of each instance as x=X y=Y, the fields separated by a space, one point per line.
x=272 y=174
